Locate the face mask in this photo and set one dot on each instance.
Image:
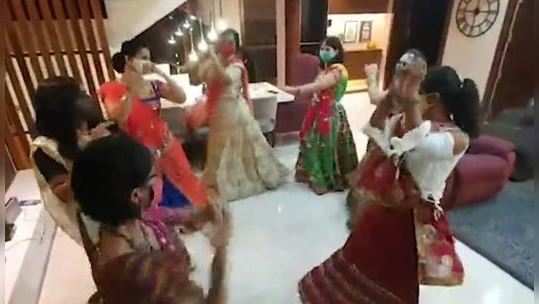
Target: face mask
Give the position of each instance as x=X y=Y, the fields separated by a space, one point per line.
x=226 y=48
x=83 y=141
x=141 y=66
x=327 y=55
x=83 y=136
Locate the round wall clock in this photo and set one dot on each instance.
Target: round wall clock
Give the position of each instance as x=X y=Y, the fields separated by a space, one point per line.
x=476 y=17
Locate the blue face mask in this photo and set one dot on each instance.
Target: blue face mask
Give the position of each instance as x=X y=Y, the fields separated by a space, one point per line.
x=327 y=55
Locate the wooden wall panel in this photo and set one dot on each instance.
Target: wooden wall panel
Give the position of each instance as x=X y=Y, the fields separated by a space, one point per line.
x=45 y=38
x=25 y=35
x=102 y=36
x=355 y=62
x=50 y=28
x=65 y=39
x=42 y=45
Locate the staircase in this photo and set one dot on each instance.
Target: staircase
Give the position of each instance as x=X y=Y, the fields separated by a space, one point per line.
x=128 y=18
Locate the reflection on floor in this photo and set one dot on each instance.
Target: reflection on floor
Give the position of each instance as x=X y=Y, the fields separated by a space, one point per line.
x=278 y=236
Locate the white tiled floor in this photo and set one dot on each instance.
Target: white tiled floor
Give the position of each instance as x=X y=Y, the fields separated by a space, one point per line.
x=277 y=237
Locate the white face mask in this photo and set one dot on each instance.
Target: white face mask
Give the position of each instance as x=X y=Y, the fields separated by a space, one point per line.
x=140 y=65
x=84 y=140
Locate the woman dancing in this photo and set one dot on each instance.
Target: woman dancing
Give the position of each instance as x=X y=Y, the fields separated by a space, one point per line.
x=239 y=162
x=135 y=104
x=66 y=121
x=327 y=151
x=197 y=115
x=398 y=244
x=134 y=260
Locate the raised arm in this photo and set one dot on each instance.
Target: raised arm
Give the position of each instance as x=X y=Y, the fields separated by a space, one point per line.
x=170 y=89
x=323 y=82
x=376 y=95
x=211 y=69
x=118 y=110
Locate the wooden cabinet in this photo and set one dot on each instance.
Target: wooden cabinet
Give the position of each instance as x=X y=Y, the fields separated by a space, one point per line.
x=358 y=6
x=355 y=62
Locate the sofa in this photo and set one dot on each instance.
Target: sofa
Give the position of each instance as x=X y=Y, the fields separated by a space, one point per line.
x=290 y=115
x=481 y=173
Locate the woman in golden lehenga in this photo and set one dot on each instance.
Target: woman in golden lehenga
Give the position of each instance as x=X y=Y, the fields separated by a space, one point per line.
x=240 y=162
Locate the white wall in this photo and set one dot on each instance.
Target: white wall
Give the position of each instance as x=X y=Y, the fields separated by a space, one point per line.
x=128 y=18
x=472 y=57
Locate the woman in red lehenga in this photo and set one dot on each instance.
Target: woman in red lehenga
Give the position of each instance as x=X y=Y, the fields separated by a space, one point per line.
x=401 y=238
x=139 y=115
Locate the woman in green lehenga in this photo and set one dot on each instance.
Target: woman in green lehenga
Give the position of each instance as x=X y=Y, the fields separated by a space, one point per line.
x=327 y=152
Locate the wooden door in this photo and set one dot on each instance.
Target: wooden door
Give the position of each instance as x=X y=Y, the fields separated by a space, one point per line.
x=510 y=83
x=419 y=24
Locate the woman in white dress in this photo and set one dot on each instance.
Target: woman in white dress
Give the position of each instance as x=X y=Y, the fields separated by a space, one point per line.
x=239 y=162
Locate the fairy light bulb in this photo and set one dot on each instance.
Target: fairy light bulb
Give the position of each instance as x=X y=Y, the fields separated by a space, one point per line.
x=221 y=25
x=193 y=57
x=212 y=34
x=203 y=45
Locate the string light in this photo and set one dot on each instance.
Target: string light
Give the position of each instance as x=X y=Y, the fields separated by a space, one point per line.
x=179 y=32
x=212 y=34
x=193 y=57
x=172 y=40
x=193 y=18
x=221 y=23
x=202 y=44
x=186 y=25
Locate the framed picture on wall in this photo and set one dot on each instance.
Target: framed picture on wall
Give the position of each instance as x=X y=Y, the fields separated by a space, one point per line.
x=350 y=31
x=365 y=32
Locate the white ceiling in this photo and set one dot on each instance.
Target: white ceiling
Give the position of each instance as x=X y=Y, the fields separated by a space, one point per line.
x=128 y=18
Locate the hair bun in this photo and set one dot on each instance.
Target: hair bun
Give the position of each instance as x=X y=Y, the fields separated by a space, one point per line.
x=126 y=45
x=119 y=61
